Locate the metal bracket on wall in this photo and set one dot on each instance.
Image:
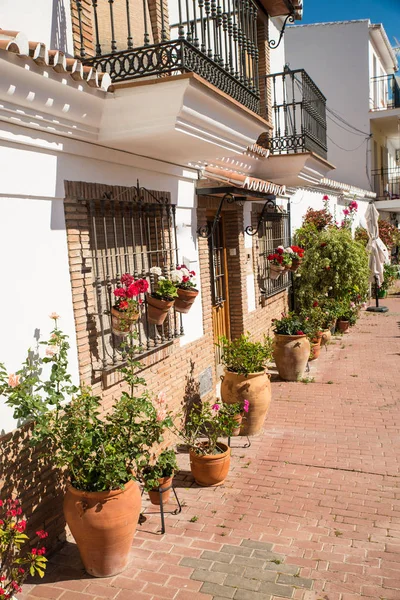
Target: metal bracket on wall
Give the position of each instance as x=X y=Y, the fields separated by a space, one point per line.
x=273 y=44
x=268 y=207
x=138 y=192
x=206 y=231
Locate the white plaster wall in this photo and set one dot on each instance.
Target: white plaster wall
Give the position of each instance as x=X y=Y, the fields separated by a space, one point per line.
x=47 y=21
x=336 y=58
x=35 y=270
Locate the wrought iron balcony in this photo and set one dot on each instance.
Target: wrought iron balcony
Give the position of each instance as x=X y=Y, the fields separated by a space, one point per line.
x=217 y=39
x=386 y=183
x=298 y=113
x=385 y=92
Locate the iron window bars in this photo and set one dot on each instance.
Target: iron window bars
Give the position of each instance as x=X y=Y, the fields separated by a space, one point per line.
x=298 y=113
x=385 y=92
x=131 y=235
x=217 y=39
x=274 y=231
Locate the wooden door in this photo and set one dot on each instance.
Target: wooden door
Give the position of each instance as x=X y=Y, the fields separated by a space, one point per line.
x=219 y=286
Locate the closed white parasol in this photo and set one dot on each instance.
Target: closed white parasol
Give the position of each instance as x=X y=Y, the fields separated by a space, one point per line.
x=378 y=253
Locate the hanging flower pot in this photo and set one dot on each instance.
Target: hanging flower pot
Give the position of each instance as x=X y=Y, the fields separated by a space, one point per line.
x=157 y=310
x=125 y=312
x=103 y=525
x=165 y=486
x=211 y=470
x=185 y=299
x=122 y=321
x=275 y=271
x=296 y=262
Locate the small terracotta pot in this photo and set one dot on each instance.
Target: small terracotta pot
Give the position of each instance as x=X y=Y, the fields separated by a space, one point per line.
x=342 y=325
x=185 y=299
x=291 y=354
x=296 y=262
x=326 y=337
x=275 y=271
x=238 y=419
x=103 y=525
x=211 y=470
x=157 y=310
x=256 y=388
x=315 y=348
x=121 y=322
x=164 y=483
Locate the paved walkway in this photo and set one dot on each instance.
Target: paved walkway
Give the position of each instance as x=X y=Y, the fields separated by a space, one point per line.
x=311 y=511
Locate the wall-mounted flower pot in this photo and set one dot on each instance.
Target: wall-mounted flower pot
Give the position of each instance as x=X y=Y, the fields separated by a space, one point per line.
x=342 y=325
x=275 y=271
x=157 y=310
x=211 y=470
x=256 y=388
x=185 y=299
x=122 y=321
x=295 y=265
x=165 y=483
x=291 y=354
x=103 y=525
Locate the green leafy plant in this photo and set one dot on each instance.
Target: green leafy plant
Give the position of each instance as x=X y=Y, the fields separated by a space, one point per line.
x=389 y=276
x=164 y=466
x=15 y=564
x=291 y=324
x=164 y=288
x=243 y=356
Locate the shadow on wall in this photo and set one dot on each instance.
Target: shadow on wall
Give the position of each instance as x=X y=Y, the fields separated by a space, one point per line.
x=58 y=40
x=191 y=399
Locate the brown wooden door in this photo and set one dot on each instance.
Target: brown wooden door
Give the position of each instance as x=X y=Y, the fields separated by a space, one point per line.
x=219 y=285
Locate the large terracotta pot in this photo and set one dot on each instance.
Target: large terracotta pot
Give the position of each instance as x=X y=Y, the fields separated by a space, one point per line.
x=185 y=299
x=164 y=483
x=121 y=322
x=291 y=353
x=211 y=470
x=256 y=388
x=157 y=310
x=342 y=325
x=326 y=337
x=276 y=271
x=103 y=525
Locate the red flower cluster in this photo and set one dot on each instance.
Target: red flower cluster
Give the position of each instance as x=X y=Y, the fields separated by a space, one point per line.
x=38 y=551
x=130 y=290
x=42 y=534
x=277 y=258
x=299 y=332
x=299 y=251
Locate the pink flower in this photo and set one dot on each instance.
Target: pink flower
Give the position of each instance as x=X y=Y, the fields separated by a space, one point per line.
x=42 y=534
x=54 y=316
x=246 y=404
x=13 y=381
x=325 y=198
x=52 y=350
x=346 y=211
x=120 y=293
x=161 y=414
x=21 y=526
x=216 y=407
x=162 y=398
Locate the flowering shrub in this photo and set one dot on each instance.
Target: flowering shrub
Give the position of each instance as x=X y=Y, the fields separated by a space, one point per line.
x=188 y=281
x=320 y=219
x=280 y=257
x=349 y=214
x=291 y=324
x=243 y=356
x=126 y=294
x=165 y=289
x=14 y=569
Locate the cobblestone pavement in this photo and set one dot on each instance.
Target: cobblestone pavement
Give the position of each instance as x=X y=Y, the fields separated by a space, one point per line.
x=310 y=511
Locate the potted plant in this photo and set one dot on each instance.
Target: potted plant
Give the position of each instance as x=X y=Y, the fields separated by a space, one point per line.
x=158 y=477
x=315 y=319
x=239 y=412
x=209 y=457
x=186 y=289
x=279 y=261
x=162 y=299
x=99 y=454
x=348 y=316
x=297 y=254
x=389 y=276
x=245 y=378
x=15 y=563
x=291 y=346
x=126 y=308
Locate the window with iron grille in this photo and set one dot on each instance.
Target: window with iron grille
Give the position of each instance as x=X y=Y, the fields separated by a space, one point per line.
x=274 y=231
x=131 y=235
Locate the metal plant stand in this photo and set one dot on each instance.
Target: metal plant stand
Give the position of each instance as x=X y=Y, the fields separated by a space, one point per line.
x=247 y=445
x=163 y=512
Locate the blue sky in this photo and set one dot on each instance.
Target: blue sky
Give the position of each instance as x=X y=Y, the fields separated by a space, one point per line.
x=378 y=11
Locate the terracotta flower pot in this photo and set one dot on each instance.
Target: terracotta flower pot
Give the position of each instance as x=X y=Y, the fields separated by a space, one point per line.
x=275 y=271
x=164 y=483
x=211 y=469
x=296 y=262
x=291 y=353
x=157 y=310
x=122 y=321
x=185 y=299
x=342 y=325
x=103 y=525
x=326 y=337
x=315 y=348
x=256 y=388
x=238 y=419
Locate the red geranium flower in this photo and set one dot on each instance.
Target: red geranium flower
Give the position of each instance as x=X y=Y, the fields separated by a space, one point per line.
x=142 y=285
x=133 y=290
x=120 y=293
x=299 y=332
x=123 y=305
x=315 y=304
x=279 y=250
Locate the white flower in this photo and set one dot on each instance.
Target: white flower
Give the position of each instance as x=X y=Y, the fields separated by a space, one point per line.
x=330 y=288
x=161 y=278
x=156 y=271
x=52 y=350
x=185 y=272
x=280 y=248
x=176 y=276
x=54 y=316
x=289 y=250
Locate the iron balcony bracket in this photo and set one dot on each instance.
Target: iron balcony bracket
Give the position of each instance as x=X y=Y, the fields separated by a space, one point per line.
x=138 y=195
x=206 y=231
x=273 y=44
x=269 y=209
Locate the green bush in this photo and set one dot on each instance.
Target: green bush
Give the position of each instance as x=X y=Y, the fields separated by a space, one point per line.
x=243 y=356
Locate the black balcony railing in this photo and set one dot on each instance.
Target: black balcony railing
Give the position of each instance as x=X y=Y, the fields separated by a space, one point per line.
x=298 y=113
x=385 y=92
x=217 y=39
x=386 y=183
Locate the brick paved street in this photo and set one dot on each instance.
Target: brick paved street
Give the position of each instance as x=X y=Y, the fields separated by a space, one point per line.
x=311 y=511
